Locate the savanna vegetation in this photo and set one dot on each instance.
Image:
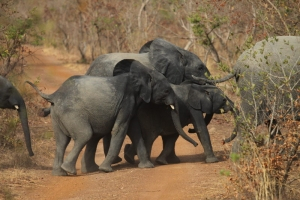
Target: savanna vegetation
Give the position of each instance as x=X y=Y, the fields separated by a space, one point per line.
x=218 y=31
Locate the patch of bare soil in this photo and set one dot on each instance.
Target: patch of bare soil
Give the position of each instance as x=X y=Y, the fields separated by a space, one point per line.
x=191 y=179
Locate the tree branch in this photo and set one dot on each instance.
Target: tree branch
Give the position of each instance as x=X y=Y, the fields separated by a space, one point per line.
x=140 y=12
x=287 y=29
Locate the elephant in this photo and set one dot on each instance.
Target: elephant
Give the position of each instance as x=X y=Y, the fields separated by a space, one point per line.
x=10 y=98
x=87 y=108
x=194 y=100
x=268 y=78
x=172 y=61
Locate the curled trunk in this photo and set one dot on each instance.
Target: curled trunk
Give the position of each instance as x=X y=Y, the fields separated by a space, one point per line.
x=226 y=78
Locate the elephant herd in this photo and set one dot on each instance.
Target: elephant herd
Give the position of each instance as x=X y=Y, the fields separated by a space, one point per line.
x=154 y=93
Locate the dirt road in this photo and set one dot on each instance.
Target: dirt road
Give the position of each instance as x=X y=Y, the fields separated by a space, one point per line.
x=191 y=179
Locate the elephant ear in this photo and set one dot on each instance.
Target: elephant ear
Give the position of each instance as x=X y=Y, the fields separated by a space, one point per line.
x=146 y=47
x=141 y=80
x=167 y=59
x=122 y=67
x=199 y=99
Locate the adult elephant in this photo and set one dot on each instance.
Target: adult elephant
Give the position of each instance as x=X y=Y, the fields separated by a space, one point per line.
x=10 y=98
x=268 y=78
x=175 y=63
x=194 y=101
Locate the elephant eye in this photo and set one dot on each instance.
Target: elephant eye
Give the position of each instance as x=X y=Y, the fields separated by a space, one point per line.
x=206 y=92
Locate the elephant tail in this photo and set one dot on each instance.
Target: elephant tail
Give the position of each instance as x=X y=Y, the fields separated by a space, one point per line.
x=226 y=78
x=45 y=96
x=229 y=139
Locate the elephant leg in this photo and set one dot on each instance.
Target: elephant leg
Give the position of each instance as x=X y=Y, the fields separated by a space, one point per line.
x=88 y=163
x=172 y=157
x=208 y=118
x=203 y=135
x=129 y=153
x=135 y=134
x=83 y=133
x=168 y=153
x=106 y=142
x=62 y=142
x=118 y=135
x=149 y=140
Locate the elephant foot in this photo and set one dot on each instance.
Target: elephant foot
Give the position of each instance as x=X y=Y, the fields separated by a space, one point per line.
x=88 y=169
x=161 y=161
x=212 y=159
x=117 y=160
x=59 y=172
x=173 y=159
x=69 y=168
x=129 y=157
x=147 y=164
x=105 y=168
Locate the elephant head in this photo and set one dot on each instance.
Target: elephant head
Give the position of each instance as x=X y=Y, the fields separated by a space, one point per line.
x=157 y=83
x=174 y=62
x=10 y=98
x=209 y=99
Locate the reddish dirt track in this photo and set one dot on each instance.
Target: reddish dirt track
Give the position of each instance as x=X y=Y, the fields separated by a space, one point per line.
x=191 y=179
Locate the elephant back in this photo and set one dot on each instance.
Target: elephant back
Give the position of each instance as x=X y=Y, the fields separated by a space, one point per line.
x=269 y=71
x=104 y=65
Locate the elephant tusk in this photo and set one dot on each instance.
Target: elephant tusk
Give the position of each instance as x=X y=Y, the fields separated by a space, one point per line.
x=16 y=107
x=173 y=108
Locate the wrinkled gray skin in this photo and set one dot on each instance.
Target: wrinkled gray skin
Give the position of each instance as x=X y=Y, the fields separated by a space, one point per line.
x=194 y=100
x=262 y=67
x=10 y=98
x=106 y=107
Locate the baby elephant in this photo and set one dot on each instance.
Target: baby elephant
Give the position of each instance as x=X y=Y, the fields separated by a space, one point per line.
x=86 y=108
x=194 y=100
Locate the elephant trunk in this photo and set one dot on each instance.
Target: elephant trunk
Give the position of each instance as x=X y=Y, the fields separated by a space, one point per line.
x=177 y=124
x=226 y=78
x=22 y=111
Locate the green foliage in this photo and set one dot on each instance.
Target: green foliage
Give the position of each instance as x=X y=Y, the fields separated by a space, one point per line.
x=235 y=157
x=225 y=172
x=224 y=67
x=14 y=31
x=204 y=24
